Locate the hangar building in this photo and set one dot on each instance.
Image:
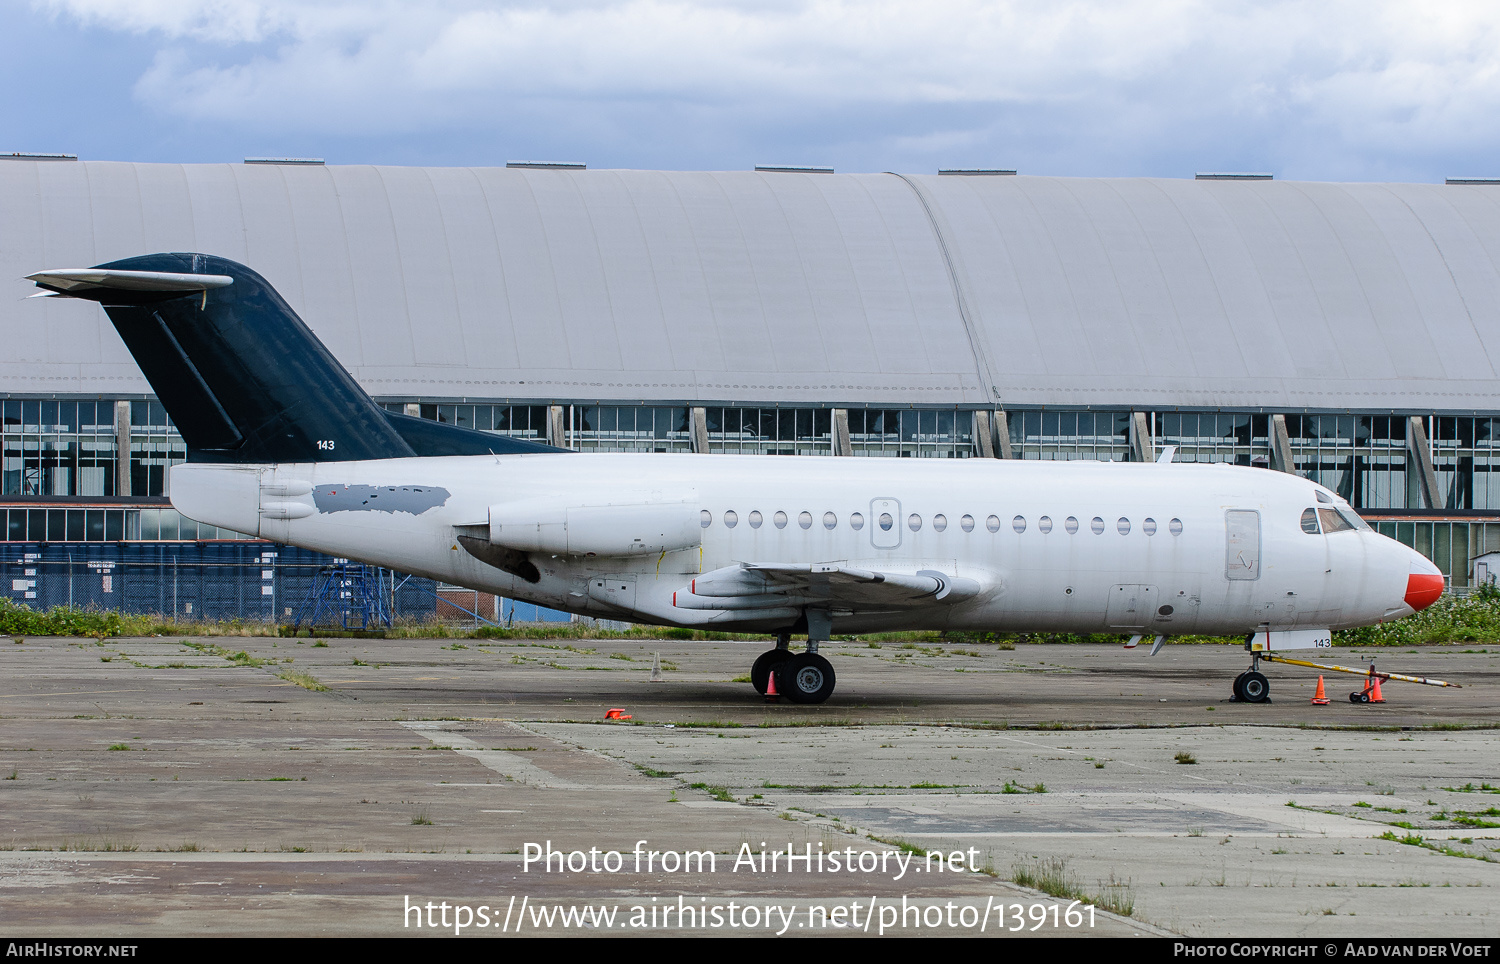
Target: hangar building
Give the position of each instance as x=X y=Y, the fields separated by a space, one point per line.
x=1346 y=332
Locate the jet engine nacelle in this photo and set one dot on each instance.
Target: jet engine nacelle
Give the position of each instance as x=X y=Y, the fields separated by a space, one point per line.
x=601 y=530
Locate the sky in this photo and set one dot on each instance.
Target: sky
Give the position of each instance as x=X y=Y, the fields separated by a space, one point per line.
x=1332 y=90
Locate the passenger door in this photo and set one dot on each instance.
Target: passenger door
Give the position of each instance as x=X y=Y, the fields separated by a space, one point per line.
x=1241 y=544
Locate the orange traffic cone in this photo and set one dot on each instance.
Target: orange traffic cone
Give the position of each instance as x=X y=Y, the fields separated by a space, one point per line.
x=771 y=694
x=1375 y=696
x=1320 y=698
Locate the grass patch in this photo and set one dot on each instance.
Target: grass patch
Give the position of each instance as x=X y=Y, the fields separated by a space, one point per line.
x=305 y=680
x=1051 y=876
x=421 y=819
x=1415 y=840
x=905 y=846
x=1470 y=788
x=1452 y=619
x=1013 y=787
x=1185 y=757
x=718 y=793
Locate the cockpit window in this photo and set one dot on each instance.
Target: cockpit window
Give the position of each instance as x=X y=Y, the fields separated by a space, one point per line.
x=1324 y=497
x=1310 y=521
x=1334 y=521
x=1352 y=517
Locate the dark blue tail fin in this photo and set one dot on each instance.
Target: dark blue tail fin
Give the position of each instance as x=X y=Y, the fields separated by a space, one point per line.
x=243 y=378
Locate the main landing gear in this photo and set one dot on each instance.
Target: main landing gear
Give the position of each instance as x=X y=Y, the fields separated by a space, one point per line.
x=802 y=677
x=1250 y=686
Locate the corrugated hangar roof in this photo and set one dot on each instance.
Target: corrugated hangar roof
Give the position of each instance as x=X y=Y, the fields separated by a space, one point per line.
x=792 y=287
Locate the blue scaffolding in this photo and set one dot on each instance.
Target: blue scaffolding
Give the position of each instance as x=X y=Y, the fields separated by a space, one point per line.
x=351 y=594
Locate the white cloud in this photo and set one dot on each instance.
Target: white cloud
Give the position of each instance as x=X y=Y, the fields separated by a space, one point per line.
x=1375 y=73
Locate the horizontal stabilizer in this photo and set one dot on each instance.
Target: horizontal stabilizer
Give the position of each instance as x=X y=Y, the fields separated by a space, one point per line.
x=79 y=282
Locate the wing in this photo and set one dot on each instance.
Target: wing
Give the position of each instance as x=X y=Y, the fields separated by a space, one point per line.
x=777 y=586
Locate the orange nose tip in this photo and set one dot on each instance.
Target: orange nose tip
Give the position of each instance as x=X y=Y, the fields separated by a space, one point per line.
x=1423 y=589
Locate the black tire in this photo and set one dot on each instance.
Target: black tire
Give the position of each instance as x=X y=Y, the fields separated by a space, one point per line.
x=1239 y=694
x=1359 y=696
x=765 y=663
x=1255 y=688
x=805 y=678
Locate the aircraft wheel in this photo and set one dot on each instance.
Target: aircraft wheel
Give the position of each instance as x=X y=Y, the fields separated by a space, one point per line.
x=1239 y=682
x=805 y=678
x=1254 y=688
x=765 y=664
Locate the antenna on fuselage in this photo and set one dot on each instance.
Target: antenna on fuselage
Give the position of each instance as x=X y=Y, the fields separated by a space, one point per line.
x=1166 y=454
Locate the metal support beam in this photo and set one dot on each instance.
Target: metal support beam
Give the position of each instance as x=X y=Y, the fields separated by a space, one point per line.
x=557 y=426
x=1142 y=445
x=1002 y=435
x=1282 y=459
x=841 y=442
x=698 y=428
x=122 y=448
x=984 y=437
x=1421 y=457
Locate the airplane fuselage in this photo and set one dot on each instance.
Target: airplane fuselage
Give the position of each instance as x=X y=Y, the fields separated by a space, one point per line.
x=1169 y=549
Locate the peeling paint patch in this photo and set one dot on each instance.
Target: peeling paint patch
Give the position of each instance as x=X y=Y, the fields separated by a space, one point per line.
x=415 y=499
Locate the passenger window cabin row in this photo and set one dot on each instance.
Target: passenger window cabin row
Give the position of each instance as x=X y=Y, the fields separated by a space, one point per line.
x=939 y=522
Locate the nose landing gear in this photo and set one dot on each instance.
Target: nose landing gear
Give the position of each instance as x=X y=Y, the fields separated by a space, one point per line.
x=1251 y=686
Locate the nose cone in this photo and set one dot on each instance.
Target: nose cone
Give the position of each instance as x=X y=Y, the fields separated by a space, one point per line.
x=1425 y=583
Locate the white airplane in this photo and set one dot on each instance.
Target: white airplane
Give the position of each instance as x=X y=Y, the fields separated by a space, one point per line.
x=284 y=444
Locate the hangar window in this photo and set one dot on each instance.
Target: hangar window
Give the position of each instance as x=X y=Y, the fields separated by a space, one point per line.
x=1123 y=526
x=1097 y=524
x=856 y=522
x=68 y=448
x=830 y=520
x=779 y=519
x=1044 y=524
x=1175 y=527
x=1310 y=521
x=1018 y=523
x=886 y=522
x=966 y=523
x=914 y=522
x=731 y=519
x=591 y=428
x=804 y=519
x=769 y=431
x=939 y=522
x=912 y=433
x=1149 y=526
x=1071 y=435
x=756 y=519
x=992 y=523
x=1071 y=524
